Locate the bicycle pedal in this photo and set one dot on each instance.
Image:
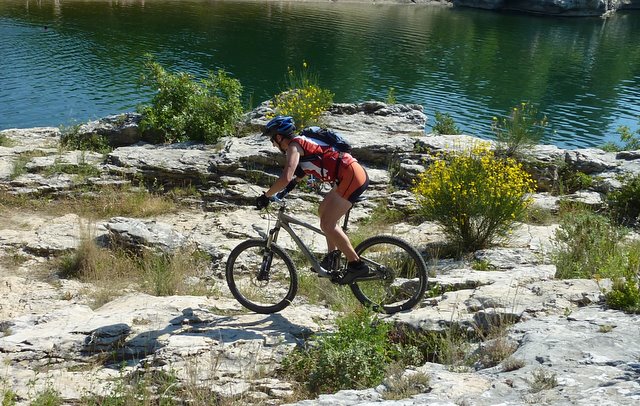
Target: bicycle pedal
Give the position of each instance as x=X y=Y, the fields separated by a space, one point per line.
x=336 y=276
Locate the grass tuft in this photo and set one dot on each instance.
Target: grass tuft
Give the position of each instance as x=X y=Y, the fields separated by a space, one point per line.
x=512 y=364
x=117 y=270
x=103 y=202
x=543 y=379
x=6 y=141
x=403 y=384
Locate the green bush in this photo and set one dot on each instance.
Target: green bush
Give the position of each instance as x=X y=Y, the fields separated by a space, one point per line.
x=9 y=397
x=303 y=99
x=577 y=180
x=444 y=124
x=630 y=139
x=357 y=356
x=448 y=347
x=185 y=109
x=624 y=203
x=624 y=295
x=391 y=96
x=625 y=292
x=48 y=397
x=474 y=196
x=5 y=141
x=570 y=180
x=71 y=139
x=353 y=358
x=588 y=245
x=522 y=128
x=151 y=387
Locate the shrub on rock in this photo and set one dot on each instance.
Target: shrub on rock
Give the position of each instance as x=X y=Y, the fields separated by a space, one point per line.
x=184 y=109
x=475 y=196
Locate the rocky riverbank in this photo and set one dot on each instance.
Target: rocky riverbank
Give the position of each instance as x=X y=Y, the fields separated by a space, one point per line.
x=564 y=8
x=53 y=337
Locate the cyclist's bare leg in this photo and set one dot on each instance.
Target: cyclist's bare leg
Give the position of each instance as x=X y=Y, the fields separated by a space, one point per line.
x=330 y=245
x=332 y=208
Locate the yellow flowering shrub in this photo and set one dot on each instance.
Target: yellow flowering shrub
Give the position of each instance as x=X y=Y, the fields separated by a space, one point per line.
x=475 y=196
x=304 y=100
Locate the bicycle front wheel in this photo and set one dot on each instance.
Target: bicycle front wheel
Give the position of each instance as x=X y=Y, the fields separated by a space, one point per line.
x=262 y=279
x=401 y=275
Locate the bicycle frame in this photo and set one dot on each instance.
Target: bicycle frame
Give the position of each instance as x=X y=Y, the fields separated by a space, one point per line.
x=284 y=221
x=396 y=268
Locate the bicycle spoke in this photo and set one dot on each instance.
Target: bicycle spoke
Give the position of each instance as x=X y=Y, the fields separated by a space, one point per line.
x=401 y=271
x=261 y=292
x=264 y=292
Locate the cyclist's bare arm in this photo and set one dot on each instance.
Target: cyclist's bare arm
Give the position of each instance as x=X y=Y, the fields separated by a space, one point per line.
x=294 y=152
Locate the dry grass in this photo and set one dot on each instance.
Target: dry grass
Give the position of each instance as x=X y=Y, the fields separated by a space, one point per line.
x=6 y=141
x=605 y=328
x=321 y=291
x=495 y=346
x=381 y=220
x=543 y=379
x=105 y=202
x=403 y=384
x=115 y=271
x=12 y=260
x=20 y=163
x=512 y=364
x=494 y=351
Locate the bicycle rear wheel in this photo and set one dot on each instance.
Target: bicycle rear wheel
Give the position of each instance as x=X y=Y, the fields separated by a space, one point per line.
x=401 y=275
x=262 y=280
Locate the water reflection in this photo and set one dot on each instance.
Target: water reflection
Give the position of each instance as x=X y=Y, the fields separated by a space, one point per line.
x=583 y=73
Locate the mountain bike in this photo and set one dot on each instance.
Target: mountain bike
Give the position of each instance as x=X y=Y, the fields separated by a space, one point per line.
x=263 y=278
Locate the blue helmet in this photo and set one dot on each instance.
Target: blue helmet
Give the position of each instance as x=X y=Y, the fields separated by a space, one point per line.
x=280 y=125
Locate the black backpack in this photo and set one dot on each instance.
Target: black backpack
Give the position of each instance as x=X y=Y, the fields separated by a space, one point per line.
x=327 y=136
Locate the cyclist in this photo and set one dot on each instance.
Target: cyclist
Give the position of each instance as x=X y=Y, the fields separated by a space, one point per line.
x=307 y=156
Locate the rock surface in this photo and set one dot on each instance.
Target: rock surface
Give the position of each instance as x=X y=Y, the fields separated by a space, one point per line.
x=569 y=8
x=50 y=336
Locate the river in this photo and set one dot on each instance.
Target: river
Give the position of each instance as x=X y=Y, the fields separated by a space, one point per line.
x=68 y=61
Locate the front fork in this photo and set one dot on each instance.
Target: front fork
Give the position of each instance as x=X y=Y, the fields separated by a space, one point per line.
x=267 y=255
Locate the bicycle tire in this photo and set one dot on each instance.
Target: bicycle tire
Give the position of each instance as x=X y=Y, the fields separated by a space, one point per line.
x=405 y=272
x=261 y=296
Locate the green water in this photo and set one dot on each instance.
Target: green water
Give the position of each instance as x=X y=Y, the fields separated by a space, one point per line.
x=64 y=62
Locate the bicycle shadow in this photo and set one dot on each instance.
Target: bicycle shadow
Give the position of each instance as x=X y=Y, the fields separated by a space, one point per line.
x=191 y=330
x=252 y=326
